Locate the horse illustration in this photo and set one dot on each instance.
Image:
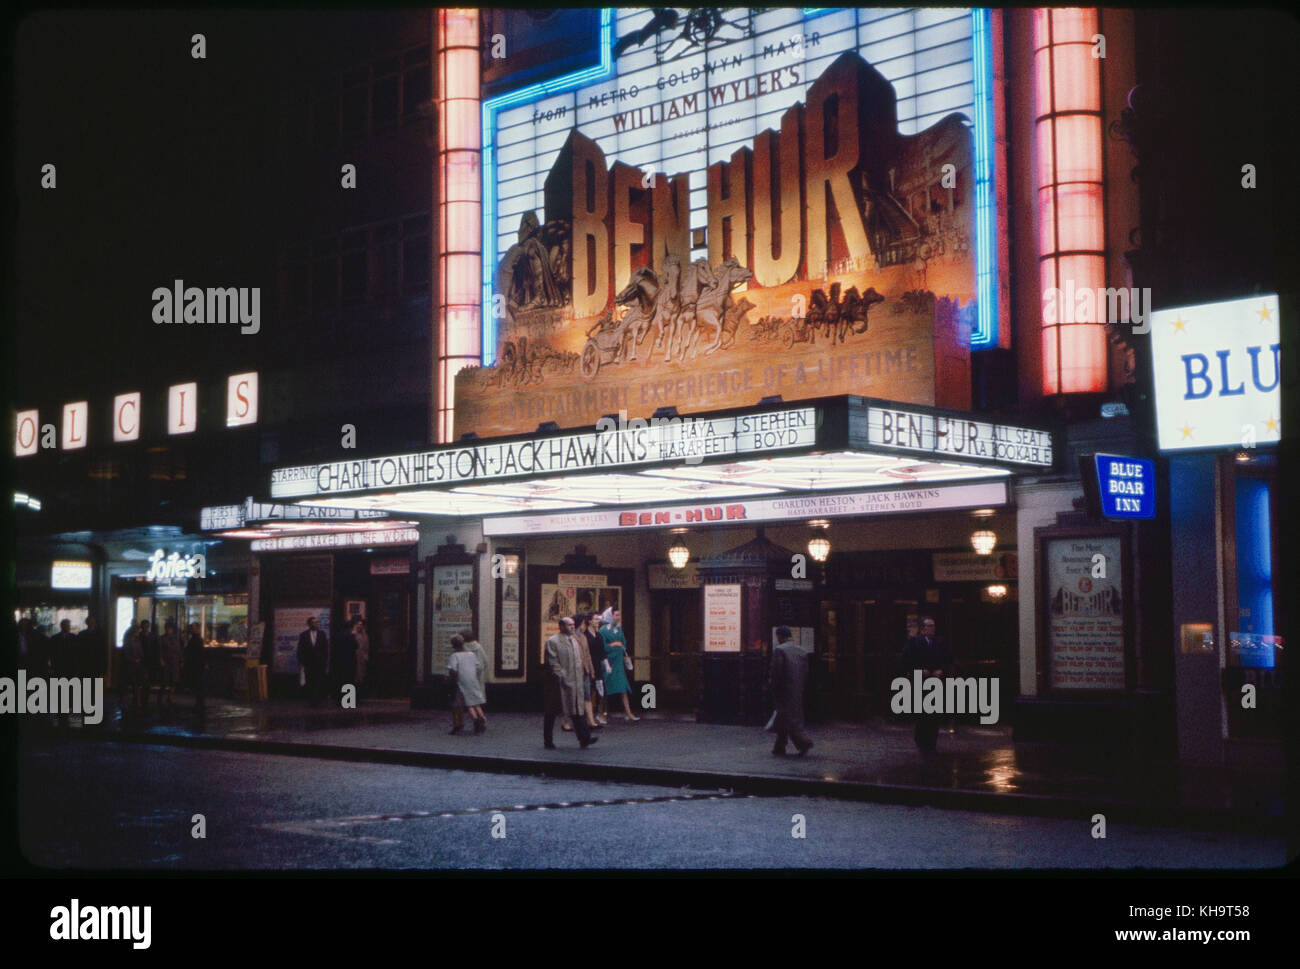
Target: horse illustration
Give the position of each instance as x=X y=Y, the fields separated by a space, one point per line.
x=712 y=302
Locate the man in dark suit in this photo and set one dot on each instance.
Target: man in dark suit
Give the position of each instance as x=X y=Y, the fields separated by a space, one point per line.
x=787 y=680
x=929 y=654
x=90 y=647
x=63 y=659
x=343 y=659
x=313 y=657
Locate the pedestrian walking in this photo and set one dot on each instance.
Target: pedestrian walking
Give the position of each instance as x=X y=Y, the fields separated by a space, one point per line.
x=588 y=670
x=928 y=653
x=618 y=663
x=787 y=680
x=313 y=660
x=343 y=660
x=463 y=669
x=564 y=685
x=195 y=668
x=472 y=645
x=363 y=653
x=169 y=649
x=596 y=650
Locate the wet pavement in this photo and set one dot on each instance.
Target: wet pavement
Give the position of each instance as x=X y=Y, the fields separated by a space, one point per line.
x=976 y=767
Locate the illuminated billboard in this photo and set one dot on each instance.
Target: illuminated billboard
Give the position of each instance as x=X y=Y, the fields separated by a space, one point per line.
x=1217 y=374
x=729 y=190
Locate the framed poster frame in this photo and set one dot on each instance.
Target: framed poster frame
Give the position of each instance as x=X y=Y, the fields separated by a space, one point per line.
x=535 y=622
x=500 y=584
x=1045 y=541
x=431 y=566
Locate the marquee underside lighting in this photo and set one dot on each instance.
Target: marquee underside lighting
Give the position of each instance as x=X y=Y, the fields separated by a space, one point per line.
x=741 y=479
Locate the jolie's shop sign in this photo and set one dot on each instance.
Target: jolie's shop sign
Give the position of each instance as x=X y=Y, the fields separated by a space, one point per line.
x=837 y=256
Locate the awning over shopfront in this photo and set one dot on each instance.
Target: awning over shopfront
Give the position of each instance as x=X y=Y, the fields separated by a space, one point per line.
x=773 y=452
x=276 y=527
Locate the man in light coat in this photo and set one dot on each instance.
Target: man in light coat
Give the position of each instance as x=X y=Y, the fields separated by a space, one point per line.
x=788 y=679
x=563 y=680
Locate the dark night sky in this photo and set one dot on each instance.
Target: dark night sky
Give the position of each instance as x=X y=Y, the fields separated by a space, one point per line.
x=167 y=168
x=163 y=172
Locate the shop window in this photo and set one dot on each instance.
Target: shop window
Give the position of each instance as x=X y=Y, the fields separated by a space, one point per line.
x=222 y=619
x=1254 y=560
x=384 y=286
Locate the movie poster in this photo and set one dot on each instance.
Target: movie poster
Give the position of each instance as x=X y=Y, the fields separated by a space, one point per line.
x=453 y=610
x=1085 y=613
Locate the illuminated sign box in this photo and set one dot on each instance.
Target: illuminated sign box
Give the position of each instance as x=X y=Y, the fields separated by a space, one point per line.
x=959 y=437
x=1127 y=486
x=705 y=218
x=636 y=443
x=70 y=575
x=27 y=433
x=126 y=417
x=74 y=425
x=796 y=507
x=289 y=543
x=241 y=399
x=1217 y=377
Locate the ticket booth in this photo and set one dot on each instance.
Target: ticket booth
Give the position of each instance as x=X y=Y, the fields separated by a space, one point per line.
x=747 y=592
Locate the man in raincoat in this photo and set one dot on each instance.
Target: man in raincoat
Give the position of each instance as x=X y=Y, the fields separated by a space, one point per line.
x=564 y=685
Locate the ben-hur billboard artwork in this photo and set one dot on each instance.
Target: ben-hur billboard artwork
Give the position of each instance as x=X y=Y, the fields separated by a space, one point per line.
x=834 y=255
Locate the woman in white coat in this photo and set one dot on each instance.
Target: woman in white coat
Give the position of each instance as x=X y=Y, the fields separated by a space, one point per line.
x=464 y=667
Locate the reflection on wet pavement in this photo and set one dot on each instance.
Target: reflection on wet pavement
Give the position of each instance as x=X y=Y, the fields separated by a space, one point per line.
x=977 y=759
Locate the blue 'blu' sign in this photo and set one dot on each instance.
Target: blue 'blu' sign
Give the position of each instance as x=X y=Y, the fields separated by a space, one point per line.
x=1127 y=485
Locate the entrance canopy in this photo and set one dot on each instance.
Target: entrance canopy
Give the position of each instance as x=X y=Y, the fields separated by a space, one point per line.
x=769 y=451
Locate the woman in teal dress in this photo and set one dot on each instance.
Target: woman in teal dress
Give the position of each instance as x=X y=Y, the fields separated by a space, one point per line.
x=615 y=673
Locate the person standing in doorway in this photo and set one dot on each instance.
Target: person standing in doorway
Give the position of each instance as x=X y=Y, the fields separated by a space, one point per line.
x=313 y=658
x=564 y=685
x=929 y=654
x=169 y=649
x=131 y=669
x=463 y=669
x=343 y=660
x=196 y=667
x=63 y=660
x=151 y=662
x=787 y=680
x=90 y=646
x=363 y=653
x=618 y=663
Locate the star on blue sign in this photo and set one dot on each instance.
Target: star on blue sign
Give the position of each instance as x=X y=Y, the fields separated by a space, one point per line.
x=1127 y=486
